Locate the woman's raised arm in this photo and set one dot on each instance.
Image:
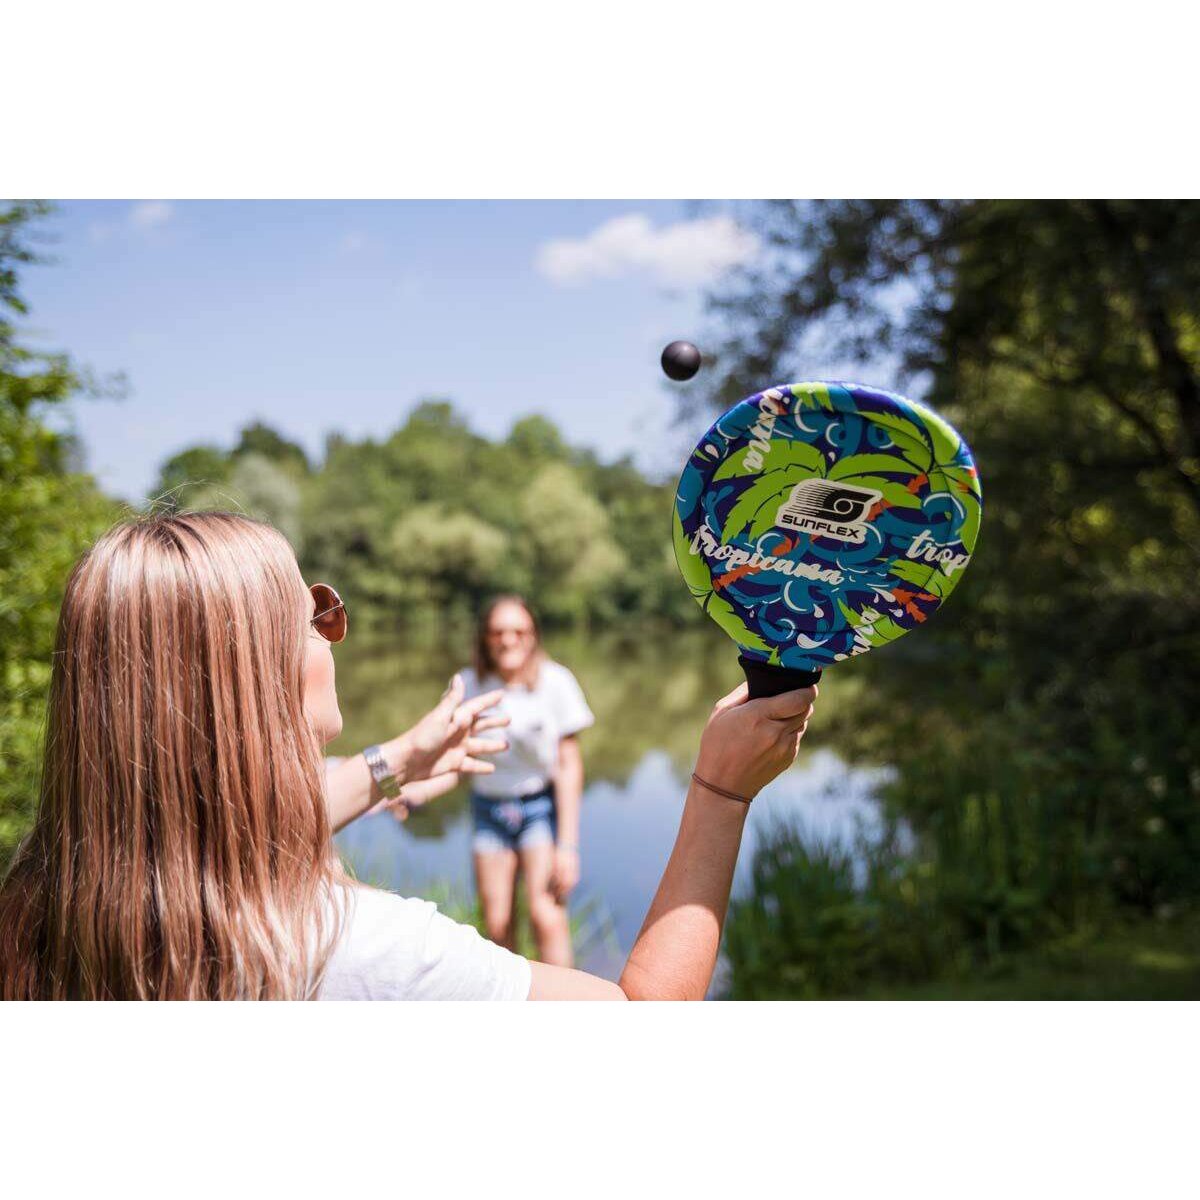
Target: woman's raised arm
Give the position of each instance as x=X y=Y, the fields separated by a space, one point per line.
x=745 y=745
x=444 y=742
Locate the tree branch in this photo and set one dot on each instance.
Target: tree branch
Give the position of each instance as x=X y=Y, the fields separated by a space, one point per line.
x=1167 y=457
x=1174 y=370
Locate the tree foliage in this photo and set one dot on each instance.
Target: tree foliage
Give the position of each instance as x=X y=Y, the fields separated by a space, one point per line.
x=418 y=529
x=1045 y=726
x=48 y=514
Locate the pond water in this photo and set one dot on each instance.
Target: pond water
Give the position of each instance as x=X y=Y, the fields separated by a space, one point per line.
x=651 y=699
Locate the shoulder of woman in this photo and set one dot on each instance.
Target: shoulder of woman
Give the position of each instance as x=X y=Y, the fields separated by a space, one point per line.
x=553 y=672
x=566 y=698
x=396 y=947
x=369 y=913
x=560 y=679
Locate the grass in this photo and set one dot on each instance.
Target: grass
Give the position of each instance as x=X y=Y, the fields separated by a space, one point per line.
x=1152 y=960
x=591 y=923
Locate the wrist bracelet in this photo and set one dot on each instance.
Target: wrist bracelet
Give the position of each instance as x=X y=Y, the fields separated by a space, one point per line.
x=712 y=787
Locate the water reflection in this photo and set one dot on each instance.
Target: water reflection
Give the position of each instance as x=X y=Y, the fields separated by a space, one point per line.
x=651 y=697
x=627 y=833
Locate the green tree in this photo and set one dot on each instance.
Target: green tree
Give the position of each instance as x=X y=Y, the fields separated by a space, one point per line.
x=1094 y=299
x=448 y=561
x=537 y=440
x=260 y=488
x=197 y=476
x=566 y=532
x=1044 y=725
x=262 y=441
x=584 y=539
x=48 y=514
x=185 y=473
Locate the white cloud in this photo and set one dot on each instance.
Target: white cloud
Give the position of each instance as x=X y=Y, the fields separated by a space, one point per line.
x=141 y=218
x=149 y=214
x=688 y=252
x=353 y=242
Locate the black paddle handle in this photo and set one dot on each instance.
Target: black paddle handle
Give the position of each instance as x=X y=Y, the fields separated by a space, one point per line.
x=766 y=680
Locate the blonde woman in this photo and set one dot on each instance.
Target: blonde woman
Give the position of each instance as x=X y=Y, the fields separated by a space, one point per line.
x=181 y=847
x=526 y=812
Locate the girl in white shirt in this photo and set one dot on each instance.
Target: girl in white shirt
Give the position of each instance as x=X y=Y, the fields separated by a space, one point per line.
x=526 y=811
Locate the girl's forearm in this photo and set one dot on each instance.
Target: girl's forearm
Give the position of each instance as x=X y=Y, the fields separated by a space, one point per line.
x=568 y=792
x=746 y=744
x=349 y=788
x=676 y=952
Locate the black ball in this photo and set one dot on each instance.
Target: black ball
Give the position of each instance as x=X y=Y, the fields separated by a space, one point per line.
x=680 y=360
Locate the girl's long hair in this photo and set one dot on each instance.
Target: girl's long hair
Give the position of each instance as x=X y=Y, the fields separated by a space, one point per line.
x=181 y=847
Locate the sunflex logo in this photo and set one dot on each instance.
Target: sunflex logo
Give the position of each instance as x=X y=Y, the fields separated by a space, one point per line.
x=824 y=508
x=771 y=406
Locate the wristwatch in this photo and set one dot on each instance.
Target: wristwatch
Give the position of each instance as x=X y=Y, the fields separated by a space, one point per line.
x=383 y=775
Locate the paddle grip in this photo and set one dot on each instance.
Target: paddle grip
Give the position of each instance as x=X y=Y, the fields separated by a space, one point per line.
x=766 y=680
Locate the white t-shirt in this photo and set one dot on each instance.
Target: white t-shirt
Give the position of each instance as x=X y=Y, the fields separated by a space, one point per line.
x=555 y=708
x=393 y=948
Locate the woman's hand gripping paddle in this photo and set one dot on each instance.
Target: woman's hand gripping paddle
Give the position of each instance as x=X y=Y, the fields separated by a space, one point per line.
x=816 y=521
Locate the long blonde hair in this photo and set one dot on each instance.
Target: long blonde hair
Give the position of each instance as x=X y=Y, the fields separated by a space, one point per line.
x=181 y=847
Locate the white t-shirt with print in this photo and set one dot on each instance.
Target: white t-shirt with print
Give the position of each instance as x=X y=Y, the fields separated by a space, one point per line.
x=392 y=948
x=554 y=708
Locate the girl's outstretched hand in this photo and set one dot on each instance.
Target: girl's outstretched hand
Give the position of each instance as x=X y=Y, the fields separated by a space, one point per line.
x=447 y=738
x=746 y=743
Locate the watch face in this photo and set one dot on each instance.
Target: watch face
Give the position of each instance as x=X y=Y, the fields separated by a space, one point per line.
x=815 y=521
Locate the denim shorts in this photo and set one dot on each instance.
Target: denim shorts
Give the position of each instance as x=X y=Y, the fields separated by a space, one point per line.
x=513 y=823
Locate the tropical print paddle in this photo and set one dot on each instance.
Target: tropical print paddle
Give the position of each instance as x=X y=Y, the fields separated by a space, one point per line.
x=816 y=521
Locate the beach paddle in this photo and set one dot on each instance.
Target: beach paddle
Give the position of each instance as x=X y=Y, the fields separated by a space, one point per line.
x=816 y=521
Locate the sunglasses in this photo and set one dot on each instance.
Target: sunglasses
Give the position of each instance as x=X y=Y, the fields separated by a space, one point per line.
x=498 y=635
x=329 y=613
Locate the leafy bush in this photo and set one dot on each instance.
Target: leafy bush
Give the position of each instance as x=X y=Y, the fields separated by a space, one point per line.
x=48 y=515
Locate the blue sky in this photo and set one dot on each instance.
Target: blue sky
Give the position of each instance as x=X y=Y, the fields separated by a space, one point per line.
x=321 y=316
